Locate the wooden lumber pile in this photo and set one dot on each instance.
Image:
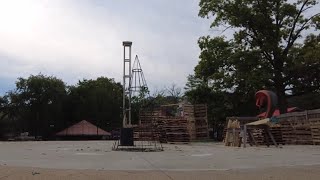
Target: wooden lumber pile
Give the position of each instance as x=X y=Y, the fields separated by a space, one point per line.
x=315 y=130
x=201 y=121
x=288 y=135
x=233 y=134
x=299 y=128
x=259 y=136
x=224 y=133
x=303 y=134
x=149 y=116
x=188 y=114
x=176 y=130
x=277 y=135
x=175 y=123
x=296 y=128
x=144 y=133
x=242 y=120
x=148 y=128
x=160 y=125
x=314 y=120
x=313 y=114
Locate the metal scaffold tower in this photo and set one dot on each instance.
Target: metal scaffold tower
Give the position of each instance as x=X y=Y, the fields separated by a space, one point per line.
x=126 y=84
x=138 y=137
x=138 y=81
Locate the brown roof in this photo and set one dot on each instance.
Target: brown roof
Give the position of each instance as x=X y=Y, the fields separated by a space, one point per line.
x=83 y=128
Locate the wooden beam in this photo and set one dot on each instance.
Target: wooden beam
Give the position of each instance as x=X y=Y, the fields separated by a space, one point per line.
x=252 y=137
x=271 y=136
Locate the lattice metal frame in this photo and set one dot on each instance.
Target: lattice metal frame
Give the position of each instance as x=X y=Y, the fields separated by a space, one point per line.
x=134 y=83
x=138 y=81
x=127 y=74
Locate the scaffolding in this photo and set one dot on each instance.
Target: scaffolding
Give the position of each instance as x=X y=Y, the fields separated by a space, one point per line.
x=144 y=137
x=126 y=84
x=138 y=81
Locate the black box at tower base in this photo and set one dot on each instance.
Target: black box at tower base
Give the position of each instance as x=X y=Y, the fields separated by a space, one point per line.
x=126 y=137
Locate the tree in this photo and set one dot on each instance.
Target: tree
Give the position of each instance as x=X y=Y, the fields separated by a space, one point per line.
x=173 y=94
x=304 y=68
x=98 y=101
x=10 y=114
x=266 y=32
x=221 y=104
x=43 y=105
x=36 y=103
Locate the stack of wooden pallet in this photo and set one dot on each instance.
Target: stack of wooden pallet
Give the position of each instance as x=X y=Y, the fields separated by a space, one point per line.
x=188 y=114
x=147 y=129
x=259 y=136
x=233 y=134
x=288 y=135
x=201 y=121
x=295 y=128
x=144 y=133
x=303 y=134
x=176 y=122
x=277 y=135
x=315 y=130
x=160 y=126
x=148 y=116
x=242 y=120
x=177 y=130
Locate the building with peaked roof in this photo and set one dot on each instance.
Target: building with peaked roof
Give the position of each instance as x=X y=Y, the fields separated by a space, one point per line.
x=83 y=130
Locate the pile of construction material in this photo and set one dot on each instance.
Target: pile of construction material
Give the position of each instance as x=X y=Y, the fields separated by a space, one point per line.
x=297 y=128
x=277 y=134
x=260 y=136
x=242 y=121
x=176 y=123
x=201 y=121
x=258 y=132
x=148 y=128
x=300 y=128
x=233 y=133
x=178 y=130
x=315 y=130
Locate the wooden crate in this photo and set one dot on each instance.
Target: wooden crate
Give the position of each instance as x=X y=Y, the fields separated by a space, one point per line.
x=296 y=128
x=178 y=122
x=177 y=129
x=277 y=135
x=315 y=130
x=201 y=121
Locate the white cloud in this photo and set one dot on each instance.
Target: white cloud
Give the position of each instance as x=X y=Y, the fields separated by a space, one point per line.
x=80 y=39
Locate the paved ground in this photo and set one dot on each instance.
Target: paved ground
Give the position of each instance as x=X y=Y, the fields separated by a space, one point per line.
x=97 y=155
x=283 y=173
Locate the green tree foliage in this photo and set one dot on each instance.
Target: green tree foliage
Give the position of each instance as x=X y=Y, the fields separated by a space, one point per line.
x=36 y=104
x=43 y=105
x=221 y=104
x=304 y=67
x=98 y=101
x=261 y=53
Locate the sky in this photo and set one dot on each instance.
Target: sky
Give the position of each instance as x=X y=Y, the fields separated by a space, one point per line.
x=82 y=39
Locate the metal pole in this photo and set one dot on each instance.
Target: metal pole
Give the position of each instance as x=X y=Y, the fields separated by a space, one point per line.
x=124 y=88
x=130 y=73
x=126 y=85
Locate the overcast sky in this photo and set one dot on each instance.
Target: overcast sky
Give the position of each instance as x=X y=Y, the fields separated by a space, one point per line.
x=76 y=39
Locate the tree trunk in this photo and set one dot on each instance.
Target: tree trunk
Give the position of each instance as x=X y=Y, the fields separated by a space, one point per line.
x=280 y=91
x=282 y=101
